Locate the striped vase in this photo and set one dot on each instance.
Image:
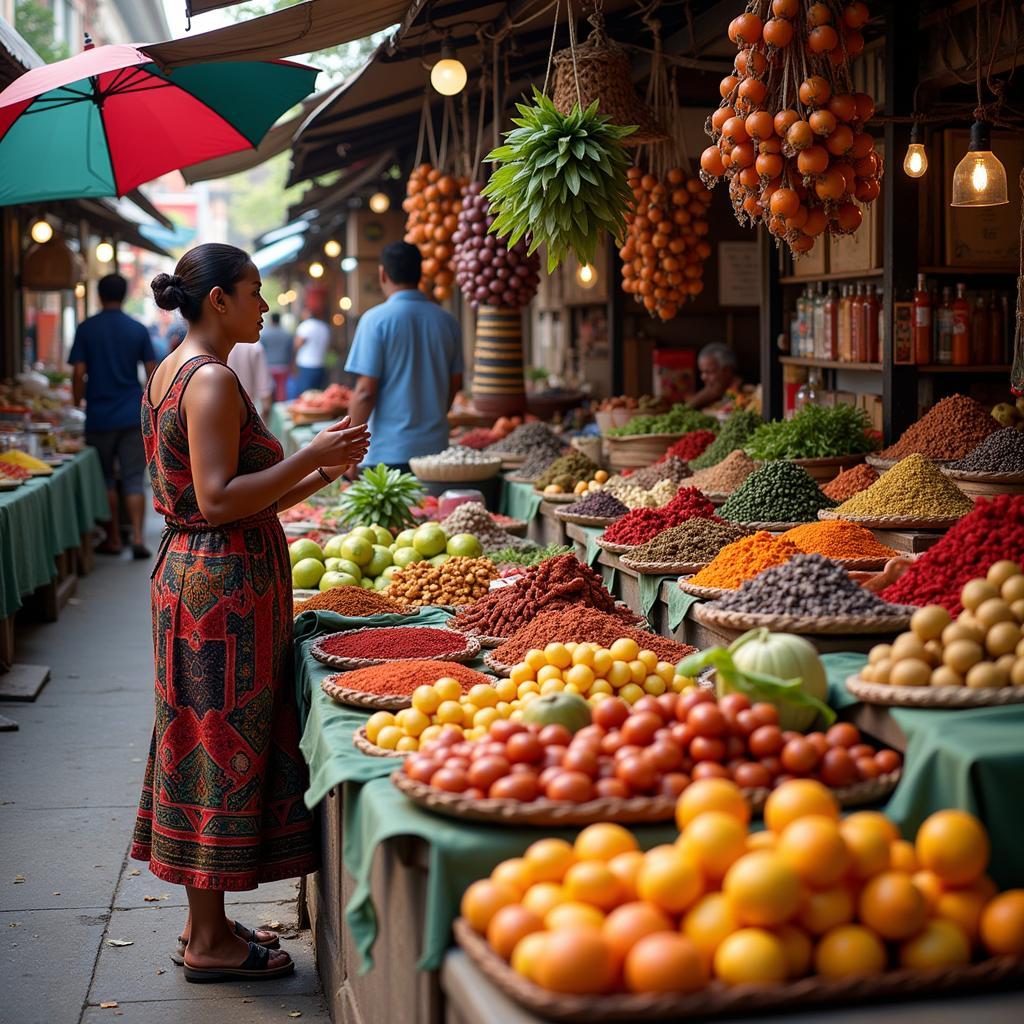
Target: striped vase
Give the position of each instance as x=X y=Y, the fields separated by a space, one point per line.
x=498 y=361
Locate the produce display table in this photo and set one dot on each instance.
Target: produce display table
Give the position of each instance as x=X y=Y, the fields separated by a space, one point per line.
x=520 y=501
x=292 y=436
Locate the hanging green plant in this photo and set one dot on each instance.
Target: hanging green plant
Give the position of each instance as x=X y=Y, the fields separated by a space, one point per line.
x=561 y=179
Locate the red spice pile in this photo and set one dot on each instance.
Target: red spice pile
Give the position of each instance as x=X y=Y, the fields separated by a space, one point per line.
x=394 y=642
x=950 y=429
x=478 y=437
x=992 y=532
x=584 y=625
x=640 y=525
x=353 y=601
x=689 y=446
x=401 y=678
x=850 y=482
x=554 y=583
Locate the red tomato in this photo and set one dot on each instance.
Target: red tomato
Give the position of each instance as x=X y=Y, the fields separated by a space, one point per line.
x=707 y=720
x=673 y=783
x=667 y=702
x=843 y=734
x=593 y=733
x=486 y=770
x=765 y=713
x=704 y=748
x=504 y=729
x=553 y=755
x=421 y=767
x=555 y=735
x=747 y=721
x=610 y=713
x=474 y=794
x=887 y=760
x=818 y=741
x=521 y=786
x=838 y=768
x=640 y=727
x=710 y=770
x=752 y=775
x=627 y=750
x=452 y=780
x=548 y=774
x=867 y=768
x=690 y=700
x=649 y=703
x=611 y=787
x=799 y=757
x=458 y=763
x=583 y=762
x=524 y=769
x=735 y=749
x=859 y=750
x=682 y=734
x=637 y=773
x=733 y=703
x=573 y=787
x=765 y=741
x=524 y=748
x=791 y=734
x=464 y=749
x=772 y=765
x=665 y=755
x=612 y=741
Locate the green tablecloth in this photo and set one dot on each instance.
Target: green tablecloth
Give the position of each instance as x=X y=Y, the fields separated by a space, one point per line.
x=520 y=501
x=592 y=533
x=41 y=519
x=650 y=588
x=679 y=603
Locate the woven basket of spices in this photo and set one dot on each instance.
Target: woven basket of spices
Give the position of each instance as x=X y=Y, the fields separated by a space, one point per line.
x=394 y=643
x=662 y=568
x=557 y=498
x=824 y=625
x=942 y=697
x=877 y=462
x=704 y=593
x=737 y=1001
x=332 y=686
x=893 y=522
x=572 y=517
x=364 y=746
x=984 y=485
x=514 y=478
x=768 y=527
x=612 y=548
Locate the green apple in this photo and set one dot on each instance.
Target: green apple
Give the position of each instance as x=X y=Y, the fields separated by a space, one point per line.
x=406 y=556
x=357 y=549
x=304 y=548
x=330 y=580
x=380 y=561
x=306 y=573
x=366 y=583
x=366 y=532
x=347 y=565
x=568 y=709
x=439 y=560
x=332 y=549
x=381 y=583
x=404 y=539
x=429 y=540
x=464 y=545
x=383 y=536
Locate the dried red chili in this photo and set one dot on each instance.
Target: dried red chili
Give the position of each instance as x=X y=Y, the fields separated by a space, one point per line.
x=394 y=642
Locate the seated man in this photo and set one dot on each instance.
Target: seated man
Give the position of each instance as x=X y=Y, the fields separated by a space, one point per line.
x=716 y=364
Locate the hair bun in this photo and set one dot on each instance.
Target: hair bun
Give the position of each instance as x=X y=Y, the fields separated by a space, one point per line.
x=169 y=291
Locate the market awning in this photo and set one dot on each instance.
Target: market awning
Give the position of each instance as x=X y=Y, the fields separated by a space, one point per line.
x=322 y=200
x=278 y=253
x=16 y=56
x=308 y=26
x=194 y=7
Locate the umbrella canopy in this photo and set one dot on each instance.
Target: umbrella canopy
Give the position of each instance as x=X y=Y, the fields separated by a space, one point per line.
x=104 y=121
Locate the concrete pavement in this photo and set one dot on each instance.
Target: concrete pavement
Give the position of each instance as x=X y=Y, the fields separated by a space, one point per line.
x=69 y=784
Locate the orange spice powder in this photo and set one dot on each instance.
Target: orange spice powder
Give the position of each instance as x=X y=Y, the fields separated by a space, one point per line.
x=838 y=538
x=743 y=559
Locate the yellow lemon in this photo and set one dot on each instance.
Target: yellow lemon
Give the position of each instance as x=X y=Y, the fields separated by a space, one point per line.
x=506 y=688
x=448 y=688
x=521 y=673
x=549 y=672
x=483 y=695
x=624 y=649
x=412 y=721
x=535 y=659
x=619 y=674
x=602 y=662
x=388 y=737
x=425 y=699
x=581 y=676
x=631 y=693
x=376 y=722
x=583 y=655
x=558 y=655
x=450 y=712
x=655 y=685
x=649 y=658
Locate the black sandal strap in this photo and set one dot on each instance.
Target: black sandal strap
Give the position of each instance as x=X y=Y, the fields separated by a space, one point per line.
x=258 y=958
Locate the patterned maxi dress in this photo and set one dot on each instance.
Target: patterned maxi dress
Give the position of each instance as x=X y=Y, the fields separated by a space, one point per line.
x=221 y=804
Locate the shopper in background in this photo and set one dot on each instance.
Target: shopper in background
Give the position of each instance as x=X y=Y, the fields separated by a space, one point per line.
x=716 y=364
x=250 y=365
x=105 y=359
x=277 y=344
x=312 y=339
x=407 y=358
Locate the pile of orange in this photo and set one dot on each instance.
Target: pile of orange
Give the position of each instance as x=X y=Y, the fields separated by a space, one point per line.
x=433 y=200
x=812 y=894
x=666 y=241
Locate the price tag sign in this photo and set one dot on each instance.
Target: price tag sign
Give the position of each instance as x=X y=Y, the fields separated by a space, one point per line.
x=739 y=274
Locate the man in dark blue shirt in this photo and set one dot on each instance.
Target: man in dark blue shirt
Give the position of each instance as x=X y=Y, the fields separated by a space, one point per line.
x=105 y=357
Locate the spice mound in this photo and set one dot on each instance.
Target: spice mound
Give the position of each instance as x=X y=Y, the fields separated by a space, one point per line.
x=1001 y=452
x=457 y=581
x=725 y=476
x=734 y=434
x=351 y=601
x=743 y=559
x=693 y=542
x=634 y=496
x=457 y=455
x=838 y=539
x=512 y=563
x=472 y=517
x=672 y=469
x=394 y=643
x=805 y=585
x=401 y=678
x=850 y=482
x=567 y=471
x=527 y=439
x=583 y=625
x=992 y=532
x=642 y=524
x=950 y=429
x=778 y=492
x=535 y=464
x=689 y=446
x=600 y=504
x=913 y=487
x=558 y=582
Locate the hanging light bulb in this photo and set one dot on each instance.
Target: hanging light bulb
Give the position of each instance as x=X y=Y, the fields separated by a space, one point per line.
x=448 y=75
x=349 y=263
x=338 y=320
x=332 y=249
x=41 y=231
x=80 y=290
x=104 y=252
x=915 y=163
x=586 y=276
x=316 y=270
x=980 y=178
x=380 y=202
x=345 y=303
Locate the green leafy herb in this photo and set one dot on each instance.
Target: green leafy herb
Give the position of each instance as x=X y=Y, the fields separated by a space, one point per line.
x=815 y=432
x=735 y=434
x=382 y=497
x=513 y=556
x=561 y=180
x=680 y=419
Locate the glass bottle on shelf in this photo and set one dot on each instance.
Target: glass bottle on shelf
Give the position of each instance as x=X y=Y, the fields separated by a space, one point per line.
x=872 y=351
x=922 y=322
x=809 y=393
x=961 y=327
x=857 y=325
x=845 y=353
x=831 y=322
x=944 y=328
x=996 y=339
x=818 y=323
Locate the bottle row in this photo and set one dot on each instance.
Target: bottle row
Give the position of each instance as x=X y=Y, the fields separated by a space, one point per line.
x=845 y=323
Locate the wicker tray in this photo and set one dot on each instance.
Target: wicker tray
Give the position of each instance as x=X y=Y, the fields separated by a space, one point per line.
x=571 y=517
x=468 y=653
x=304 y=419
x=662 y=568
x=877 y=462
x=933 y=696
x=740 y=1001
x=455 y=472
x=364 y=746
x=557 y=499
x=815 y=625
x=770 y=527
x=510 y=461
x=518 y=527
x=630 y=810
x=614 y=549
x=512 y=478
x=360 y=699
x=704 y=593
x=895 y=522
x=984 y=485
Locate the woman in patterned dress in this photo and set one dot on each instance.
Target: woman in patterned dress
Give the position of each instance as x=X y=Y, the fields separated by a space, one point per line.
x=221 y=806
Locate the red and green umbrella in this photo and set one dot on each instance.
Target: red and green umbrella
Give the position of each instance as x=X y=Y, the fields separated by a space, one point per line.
x=108 y=119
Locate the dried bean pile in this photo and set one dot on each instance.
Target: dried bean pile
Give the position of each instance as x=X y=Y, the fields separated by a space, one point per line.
x=992 y=532
x=640 y=525
x=850 y=482
x=805 y=585
x=725 y=476
x=693 y=542
x=568 y=471
x=598 y=503
x=1001 y=452
x=583 y=625
x=394 y=642
x=671 y=468
x=913 y=487
x=950 y=429
x=536 y=464
x=457 y=581
x=778 y=492
x=472 y=517
x=743 y=559
x=352 y=601
x=553 y=584
x=400 y=678
x=734 y=434
x=838 y=539
x=527 y=439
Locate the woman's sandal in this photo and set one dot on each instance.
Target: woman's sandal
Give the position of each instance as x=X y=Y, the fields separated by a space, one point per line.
x=178 y=956
x=256 y=966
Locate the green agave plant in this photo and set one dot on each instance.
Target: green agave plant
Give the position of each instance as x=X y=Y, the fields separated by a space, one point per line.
x=381 y=497
x=561 y=179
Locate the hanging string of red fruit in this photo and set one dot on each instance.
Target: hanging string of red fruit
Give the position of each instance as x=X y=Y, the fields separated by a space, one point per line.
x=789 y=133
x=433 y=201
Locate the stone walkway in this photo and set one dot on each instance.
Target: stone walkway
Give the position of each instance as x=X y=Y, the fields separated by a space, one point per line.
x=69 y=784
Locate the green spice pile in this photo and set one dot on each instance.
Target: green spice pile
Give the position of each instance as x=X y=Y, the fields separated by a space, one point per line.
x=694 y=542
x=567 y=471
x=734 y=434
x=725 y=476
x=913 y=487
x=680 y=419
x=1001 y=452
x=815 y=432
x=513 y=556
x=778 y=492
x=950 y=429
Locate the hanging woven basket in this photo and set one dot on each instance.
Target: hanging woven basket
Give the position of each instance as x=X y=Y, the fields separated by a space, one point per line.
x=602 y=67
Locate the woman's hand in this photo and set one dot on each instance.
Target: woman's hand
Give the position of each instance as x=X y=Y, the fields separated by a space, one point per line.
x=341 y=444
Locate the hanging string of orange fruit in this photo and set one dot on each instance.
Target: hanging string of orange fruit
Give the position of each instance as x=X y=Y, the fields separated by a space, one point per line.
x=789 y=133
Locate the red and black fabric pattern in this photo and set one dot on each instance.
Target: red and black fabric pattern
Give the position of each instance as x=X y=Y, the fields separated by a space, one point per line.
x=221 y=803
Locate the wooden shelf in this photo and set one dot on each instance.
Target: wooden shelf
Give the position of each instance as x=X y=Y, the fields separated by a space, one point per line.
x=947 y=368
x=829 y=364
x=839 y=275
x=967 y=271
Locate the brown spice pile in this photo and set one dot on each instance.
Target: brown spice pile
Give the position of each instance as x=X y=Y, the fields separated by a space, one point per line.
x=400 y=678
x=850 y=482
x=351 y=601
x=672 y=468
x=948 y=430
x=725 y=476
x=695 y=541
x=457 y=581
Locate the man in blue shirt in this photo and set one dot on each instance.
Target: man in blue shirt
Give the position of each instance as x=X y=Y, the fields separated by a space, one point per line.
x=407 y=358
x=105 y=357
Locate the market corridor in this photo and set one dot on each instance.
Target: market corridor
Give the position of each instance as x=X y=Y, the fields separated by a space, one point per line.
x=69 y=784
